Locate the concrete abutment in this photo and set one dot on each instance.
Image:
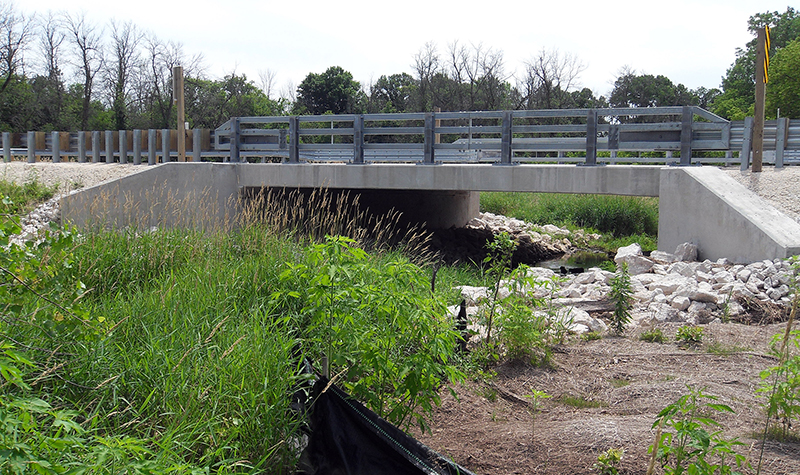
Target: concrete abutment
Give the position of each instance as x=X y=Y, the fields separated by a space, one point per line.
x=700 y=205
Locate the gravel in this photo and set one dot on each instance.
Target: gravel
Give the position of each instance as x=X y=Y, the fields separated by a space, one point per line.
x=780 y=187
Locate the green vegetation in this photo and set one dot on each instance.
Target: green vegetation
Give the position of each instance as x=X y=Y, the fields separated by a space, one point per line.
x=616 y=215
x=22 y=198
x=689 y=335
x=684 y=442
x=177 y=349
x=622 y=220
x=622 y=296
x=580 y=402
x=608 y=461
x=653 y=336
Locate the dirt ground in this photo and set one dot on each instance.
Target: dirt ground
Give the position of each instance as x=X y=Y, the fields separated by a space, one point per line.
x=489 y=428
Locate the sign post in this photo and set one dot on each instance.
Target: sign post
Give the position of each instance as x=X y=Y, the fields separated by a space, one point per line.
x=762 y=65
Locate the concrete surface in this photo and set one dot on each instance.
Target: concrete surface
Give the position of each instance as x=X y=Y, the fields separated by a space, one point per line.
x=697 y=204
x=706 y=207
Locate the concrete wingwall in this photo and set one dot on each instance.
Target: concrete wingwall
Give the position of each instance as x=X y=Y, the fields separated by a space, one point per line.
x=704 y=206
x=701 y=205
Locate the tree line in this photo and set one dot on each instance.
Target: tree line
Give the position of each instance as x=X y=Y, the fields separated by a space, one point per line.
x=60 y=71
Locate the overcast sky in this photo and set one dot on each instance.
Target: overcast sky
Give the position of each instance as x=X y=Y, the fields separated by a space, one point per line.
x=691 y=42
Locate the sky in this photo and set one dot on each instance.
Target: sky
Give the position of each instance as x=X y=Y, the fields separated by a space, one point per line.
x=692 y=42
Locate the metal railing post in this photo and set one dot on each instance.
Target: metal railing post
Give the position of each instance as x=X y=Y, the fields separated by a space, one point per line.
x=151 y=146
x=428 y=154
x=31 y=147
x=6 y=147
x=95 y=146
x=235 y=140
x=137 y=146
x=781 y=129
x=591 y=138
x=506 y=138
x=81 y=147
x=123 y=146
x=294 y=139
x=109 y=146
x=687 y=117
x=165 y=146
x=56 y=146
x=358 y=139
x=747 y=140
x=197 y=154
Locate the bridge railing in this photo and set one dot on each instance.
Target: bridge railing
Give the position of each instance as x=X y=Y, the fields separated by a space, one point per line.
x=583 y=136
x=502 y=137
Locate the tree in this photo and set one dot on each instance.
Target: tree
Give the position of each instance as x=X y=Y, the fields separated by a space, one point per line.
x=333 y=91
x=210 y=103
x=738 y=85
x=86 y=40
x=646 y=90
x=15 y=31
x=549 y=76
x=783 y=90
x=392 y=93
x=123 y=62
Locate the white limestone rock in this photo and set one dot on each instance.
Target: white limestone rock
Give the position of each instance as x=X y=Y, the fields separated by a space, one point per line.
x=686 y=252
x=632 y=255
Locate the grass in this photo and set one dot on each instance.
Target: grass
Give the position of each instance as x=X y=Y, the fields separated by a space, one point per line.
x=726 y=350
x=24 y=197
x=653 y=336
x=620 y=382
x=195 y=337
x=580 y=402
x=615 y=215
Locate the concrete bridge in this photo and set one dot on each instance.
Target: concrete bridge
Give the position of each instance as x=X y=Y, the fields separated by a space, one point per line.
x=701 y=205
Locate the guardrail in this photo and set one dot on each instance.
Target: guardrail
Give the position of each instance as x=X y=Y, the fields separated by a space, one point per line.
x=447 y=136
x=106 y=146
x=582 y=136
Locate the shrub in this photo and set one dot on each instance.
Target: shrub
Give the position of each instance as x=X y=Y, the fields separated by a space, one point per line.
x=622 y=296
x=689 y=335
x=684 y=443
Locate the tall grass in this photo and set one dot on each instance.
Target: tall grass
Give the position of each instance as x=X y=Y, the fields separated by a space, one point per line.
x=617 y=215
x=196 y=337
x=23 y=197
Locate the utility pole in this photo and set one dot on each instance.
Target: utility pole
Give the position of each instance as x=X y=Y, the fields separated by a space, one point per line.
x=762 y=63
x=177 y=93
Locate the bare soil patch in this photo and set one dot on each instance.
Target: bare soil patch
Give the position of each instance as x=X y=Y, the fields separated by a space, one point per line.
x=489 y=428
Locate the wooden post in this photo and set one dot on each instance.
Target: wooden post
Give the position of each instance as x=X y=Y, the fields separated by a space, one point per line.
x=758 y=120
x=294 y=139
x=177 y=92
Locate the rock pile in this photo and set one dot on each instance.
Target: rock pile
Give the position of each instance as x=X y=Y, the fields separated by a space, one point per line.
x=667 y=287
x=37 y=221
